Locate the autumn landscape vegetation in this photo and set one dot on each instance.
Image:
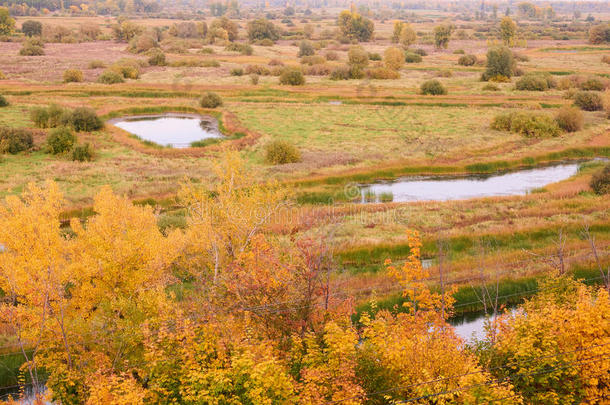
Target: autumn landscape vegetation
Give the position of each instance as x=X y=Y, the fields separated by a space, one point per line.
x=260 y=265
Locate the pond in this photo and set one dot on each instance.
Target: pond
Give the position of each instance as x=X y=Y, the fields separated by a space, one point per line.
x=471 y=326
x=172 y=130
x=459 y=188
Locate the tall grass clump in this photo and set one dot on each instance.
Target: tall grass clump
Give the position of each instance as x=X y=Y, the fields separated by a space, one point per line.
x=281 y=152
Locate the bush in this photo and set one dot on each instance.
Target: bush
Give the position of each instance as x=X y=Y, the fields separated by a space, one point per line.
x=157 y=58
x=292 y=77
x=588 y=101
x=570 y=119
x=14 y=140
x=82 y=119
x=317 y=70
x=600 y=182
x=96 y=64
x=142 y=43
x=3 y=101
x=500 y=63
x=433 y=87
x=258 y=69
x=306 y=49
x=276 y=62
x=467 y=60
x=606 y=59
x=254 y=78
x=129 y=69
x=29 y=49
x=526 y=124
x=592 y=84
x=281 y=152
x=83 y=153
x=237 y=72
x=47 y=117
x=31 y=28
x=420 y=52
x=210 y=100
x=2 y=75
x=491 y=87
x=244 y=49
x=73 y=76
x=110 y=77
x=382 y=73
x=444 y=73
x=313 y=60
x=332 y=55
x=411 y=57
x=374 y=56
x=340 y=73
x=533 y=82
x=60 y=140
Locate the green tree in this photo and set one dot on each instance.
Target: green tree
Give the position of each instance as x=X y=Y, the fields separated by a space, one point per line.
x=7 y=23
x=442 y=35
x=355 y=26
x=31 y=28
x=262 y=29
x=508 y=29
x=500 y=63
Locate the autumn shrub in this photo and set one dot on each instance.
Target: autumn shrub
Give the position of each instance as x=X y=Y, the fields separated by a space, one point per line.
x=534 y=82
x=210 y=100
x=570 y=119
x=606 y=59
x=254 y=78
x=60 y=140
x=73 y=76
x=142 y=43
x=110 y=77
x=382 y=73
x=600 y=181
x=281 y=152
x=83 y=153
x=15 y=140
x=306 y=49
x=341 y=73
x=394 y=58
x=244 y=49
x=313 y=60
x=411 y=57
x=237 y=71
x=258 y=69
x=433 y=88
x=156 y=57
x=3 y=101
x=331 y=55
x=82 y=119
x=292 y=77
x=588 y=101
x=467 y=60
x=276 y=62
x=500 y=64
x=531 y=125
x=420 y=52
x=2 y=75
x=317 y=70
x=97 y=64
x=491 y=87
x=129 y=69
x=47 y=117
x=31 y=48
x=443 y=73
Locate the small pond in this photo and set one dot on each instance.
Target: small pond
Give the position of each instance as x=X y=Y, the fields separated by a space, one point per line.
x=460 y=188
x=173 y=130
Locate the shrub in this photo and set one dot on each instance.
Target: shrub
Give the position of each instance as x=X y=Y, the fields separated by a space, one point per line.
x=129 y=69
x=237 y=72
x=73 y=76
x=254 y=78
x=570 y=119
x=500 y=63
x=491 y=87
x=606 y=59
x=60 y=140
x=374 y=56
x=526 y=124
x=83 y=153
x=444 y=73
x=47 y=117
x=31 y=28
x=533 y=82
x=96 y=64
x=244 y=49
x=340 y=73
x=110 y=77
x=142 y=43
x=281 y=152
x=600 y=182
x=82 y=119
x=393 y=58
x=382 y=73
x=317 y=70
x=306 y=49
x=3 y=101
x=313 y=60
x=292 y=77
x=467 y=60
x=258 y=69
x=210 y=100
x=14 y=140
x=332 y=55
x=592 y=84
x=156 y=57
x=357 y=57
x=520 y=57
x=433 y=87
x=412 y=57
x=2 y=75
x=588 y=101
x=420 y=52
x=30 y=49
x=276 y=62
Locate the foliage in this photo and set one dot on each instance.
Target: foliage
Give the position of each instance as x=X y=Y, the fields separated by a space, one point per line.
x=382 y=73
x=500 y=63
x=83 y=152
x=491 y=87
x=210 y=100
x=600 y=181
x=237 y=72
x=143 y=43
x=31 y=28
x=357 y=57
x=306 y=48
x=156 y=57
x=47 y=117
x=592 y=84
x=3 y=101
x=32 y=47
x=442 y=35
x=281 y=152
x=60 y=140
x=508 y=29
x=526 y=124
x=467 y=60
x=14 y=140
x=570 y=119
x=535 y=82
x=82 y=119
x=411 y=57
x=340 y=73
x=261 y=29
x=244 y=49
x=110 y=77
x=73 y=76
x=292 y=77
x=7 y=23
x=588 y=101
x=433 y=87
x=355 y=26
x=223 y=27
x=600 y=34
x=126 y=31
x=393 y=58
